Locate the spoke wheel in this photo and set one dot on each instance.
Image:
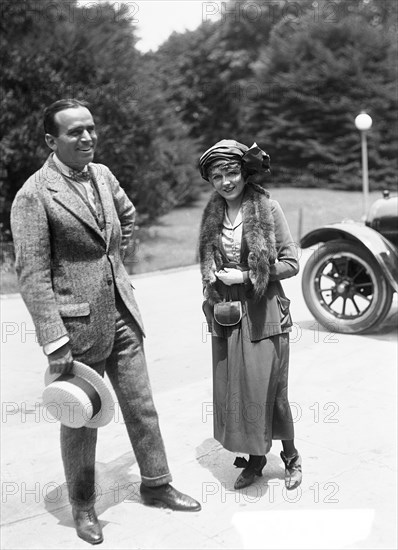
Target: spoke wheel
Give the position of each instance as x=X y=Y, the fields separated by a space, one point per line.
x=345 y=288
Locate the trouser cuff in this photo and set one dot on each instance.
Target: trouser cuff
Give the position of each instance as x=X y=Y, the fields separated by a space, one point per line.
x=157 y=481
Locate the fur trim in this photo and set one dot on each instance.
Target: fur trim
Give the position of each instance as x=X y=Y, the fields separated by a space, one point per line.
x=258 y=230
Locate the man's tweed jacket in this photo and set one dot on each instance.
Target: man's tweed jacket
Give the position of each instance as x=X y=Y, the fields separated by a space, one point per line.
x=67 y=267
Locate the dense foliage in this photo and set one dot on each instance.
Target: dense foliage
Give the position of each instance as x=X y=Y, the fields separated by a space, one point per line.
x=53 y=49
x=290 y=75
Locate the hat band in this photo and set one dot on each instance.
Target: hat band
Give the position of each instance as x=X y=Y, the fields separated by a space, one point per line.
x=88 y=389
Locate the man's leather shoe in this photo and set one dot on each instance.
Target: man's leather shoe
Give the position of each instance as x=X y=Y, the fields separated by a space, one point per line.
x=87 y=525
x=293 y=472
x=167 y=496
x=253 y=469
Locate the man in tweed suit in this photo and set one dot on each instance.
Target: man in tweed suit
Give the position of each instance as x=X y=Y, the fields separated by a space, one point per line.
x=71 y=224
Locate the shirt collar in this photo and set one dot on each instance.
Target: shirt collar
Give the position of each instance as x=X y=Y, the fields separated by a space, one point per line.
x=238 y=220
x=64 y=168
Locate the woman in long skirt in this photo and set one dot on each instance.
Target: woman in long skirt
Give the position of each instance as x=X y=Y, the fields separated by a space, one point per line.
x=246 y=249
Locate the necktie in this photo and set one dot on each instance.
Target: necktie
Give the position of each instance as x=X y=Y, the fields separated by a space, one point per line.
x=86 y=185
x=80 y=176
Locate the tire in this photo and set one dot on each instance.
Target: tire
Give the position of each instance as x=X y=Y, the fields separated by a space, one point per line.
x=345 y=288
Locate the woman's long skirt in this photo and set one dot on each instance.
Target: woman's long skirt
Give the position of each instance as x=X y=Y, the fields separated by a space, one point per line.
x=250 y=390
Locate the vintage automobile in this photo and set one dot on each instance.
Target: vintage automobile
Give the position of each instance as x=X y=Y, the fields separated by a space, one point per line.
x=349 y=281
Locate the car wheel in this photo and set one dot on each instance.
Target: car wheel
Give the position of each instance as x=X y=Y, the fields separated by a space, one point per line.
x=345 y=288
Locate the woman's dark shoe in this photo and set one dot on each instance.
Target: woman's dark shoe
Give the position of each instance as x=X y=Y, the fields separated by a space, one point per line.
x=293 y=472
x=87 y=525
x=251 y=471
x=166 y=495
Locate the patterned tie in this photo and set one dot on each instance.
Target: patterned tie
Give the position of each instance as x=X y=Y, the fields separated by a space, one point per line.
x=80 y=176
x=84 y=178
x=90 y=193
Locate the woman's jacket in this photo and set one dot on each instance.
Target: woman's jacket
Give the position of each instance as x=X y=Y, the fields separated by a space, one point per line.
x=268 y=253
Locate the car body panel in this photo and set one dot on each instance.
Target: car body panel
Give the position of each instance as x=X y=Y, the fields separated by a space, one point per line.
x=383 y=218
x=383 y=250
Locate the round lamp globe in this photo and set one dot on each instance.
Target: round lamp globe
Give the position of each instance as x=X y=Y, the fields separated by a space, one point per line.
x=363 y=121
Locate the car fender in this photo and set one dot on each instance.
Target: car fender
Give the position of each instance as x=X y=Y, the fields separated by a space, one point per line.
x=380 y=248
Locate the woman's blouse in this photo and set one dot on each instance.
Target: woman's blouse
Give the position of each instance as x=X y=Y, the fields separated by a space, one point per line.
x=231 y=236
x=286 y=264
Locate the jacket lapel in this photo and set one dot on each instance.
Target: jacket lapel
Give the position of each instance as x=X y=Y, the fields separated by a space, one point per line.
x=106 y=200
x=67 y=197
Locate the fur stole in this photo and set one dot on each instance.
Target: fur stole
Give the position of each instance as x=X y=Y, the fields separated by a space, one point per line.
x=258 y=231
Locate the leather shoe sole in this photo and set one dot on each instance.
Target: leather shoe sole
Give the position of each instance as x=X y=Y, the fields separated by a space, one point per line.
x=89 y=538
x=167 y=496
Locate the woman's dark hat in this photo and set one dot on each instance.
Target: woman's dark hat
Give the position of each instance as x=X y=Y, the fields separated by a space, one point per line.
x=254 y=160
x=82 y=398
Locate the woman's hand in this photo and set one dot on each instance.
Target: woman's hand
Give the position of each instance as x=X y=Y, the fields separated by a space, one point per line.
x=230 y=276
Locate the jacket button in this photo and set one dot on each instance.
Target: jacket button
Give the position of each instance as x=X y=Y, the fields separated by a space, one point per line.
x=109 y=282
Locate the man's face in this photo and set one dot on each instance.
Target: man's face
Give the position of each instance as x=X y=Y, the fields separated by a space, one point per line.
x=76 y=140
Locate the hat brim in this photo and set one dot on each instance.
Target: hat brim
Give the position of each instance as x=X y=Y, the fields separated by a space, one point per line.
x=106 y=412
x=225 y=149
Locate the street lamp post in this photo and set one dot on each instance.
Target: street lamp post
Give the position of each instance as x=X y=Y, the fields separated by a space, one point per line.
x=363 y=122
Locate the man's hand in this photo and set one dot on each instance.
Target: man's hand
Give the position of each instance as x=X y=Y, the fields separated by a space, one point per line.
x=61 y=360
x=230 y=276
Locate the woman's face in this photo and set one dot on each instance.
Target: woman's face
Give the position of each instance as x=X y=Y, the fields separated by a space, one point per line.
x=226 y=178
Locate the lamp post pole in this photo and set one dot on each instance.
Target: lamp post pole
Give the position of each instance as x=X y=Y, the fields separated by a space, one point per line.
x=364 y=122
x=365 y=175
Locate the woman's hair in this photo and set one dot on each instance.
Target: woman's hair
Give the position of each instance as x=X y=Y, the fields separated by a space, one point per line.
x=256 y=181
x=253 y=160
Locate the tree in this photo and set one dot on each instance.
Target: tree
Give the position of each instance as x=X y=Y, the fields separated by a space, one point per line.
x=207 y=73
x=55 y=49
x=320 y=75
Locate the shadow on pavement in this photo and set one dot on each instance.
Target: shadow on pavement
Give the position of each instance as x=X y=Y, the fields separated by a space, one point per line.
x=219 y=462
x=114 y=485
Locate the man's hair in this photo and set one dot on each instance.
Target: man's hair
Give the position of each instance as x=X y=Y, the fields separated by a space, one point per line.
x=50 y=126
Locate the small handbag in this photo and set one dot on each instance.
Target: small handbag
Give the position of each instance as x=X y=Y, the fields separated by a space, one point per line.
x=228 y=314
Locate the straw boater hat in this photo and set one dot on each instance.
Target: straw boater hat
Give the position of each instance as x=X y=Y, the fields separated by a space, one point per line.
x=81 y=398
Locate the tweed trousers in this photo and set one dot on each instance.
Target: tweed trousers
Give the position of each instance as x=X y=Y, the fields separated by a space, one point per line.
x=127 y=370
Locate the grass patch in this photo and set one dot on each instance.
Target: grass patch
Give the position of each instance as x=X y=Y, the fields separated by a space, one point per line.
x=172 y=242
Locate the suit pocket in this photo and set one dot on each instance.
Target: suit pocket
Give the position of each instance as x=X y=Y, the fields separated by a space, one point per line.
x=78 y=323
x=284 y=309
x=74 y=310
